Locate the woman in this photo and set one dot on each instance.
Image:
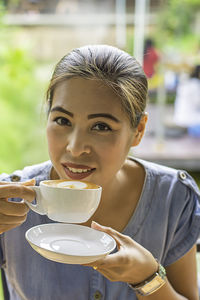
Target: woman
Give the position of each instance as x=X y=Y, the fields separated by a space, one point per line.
x=151 y=58
x=96 y=112
x=187 y=102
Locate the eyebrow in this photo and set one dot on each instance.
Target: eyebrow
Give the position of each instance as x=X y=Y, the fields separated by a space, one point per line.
x=91 y=116
x=59 y=108
x=102 y=115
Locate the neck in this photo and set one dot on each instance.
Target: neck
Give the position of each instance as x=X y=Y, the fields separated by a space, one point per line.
x=53 y=174
x=112 y=190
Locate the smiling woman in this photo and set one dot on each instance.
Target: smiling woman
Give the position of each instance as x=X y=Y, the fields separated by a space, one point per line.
x=96 y=111
x=74 y=132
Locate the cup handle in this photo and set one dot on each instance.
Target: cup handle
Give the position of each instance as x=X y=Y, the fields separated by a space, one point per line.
x=38 y=207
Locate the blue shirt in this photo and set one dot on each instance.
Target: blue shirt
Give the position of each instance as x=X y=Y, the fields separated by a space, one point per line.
x=166 y=221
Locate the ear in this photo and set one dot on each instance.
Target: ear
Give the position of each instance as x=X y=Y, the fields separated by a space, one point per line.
x=139 y=131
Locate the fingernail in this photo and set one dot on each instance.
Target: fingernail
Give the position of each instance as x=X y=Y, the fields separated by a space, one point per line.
x=95 y=223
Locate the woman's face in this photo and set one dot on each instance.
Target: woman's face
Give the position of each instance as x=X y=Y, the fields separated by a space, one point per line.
x=88 y=133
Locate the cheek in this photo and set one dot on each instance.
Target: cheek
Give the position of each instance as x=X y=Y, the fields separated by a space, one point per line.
x=115 y=149
x=54 y=141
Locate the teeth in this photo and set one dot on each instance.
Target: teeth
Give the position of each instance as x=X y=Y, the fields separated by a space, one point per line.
x=78 y=170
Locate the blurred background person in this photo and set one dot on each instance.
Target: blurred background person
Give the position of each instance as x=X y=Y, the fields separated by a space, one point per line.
x=151 y=58
x=187 y=103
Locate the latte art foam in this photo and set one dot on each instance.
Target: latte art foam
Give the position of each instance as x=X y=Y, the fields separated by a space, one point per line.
x=71 y=184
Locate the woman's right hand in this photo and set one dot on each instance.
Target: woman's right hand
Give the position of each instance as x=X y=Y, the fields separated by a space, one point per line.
x=13 y=214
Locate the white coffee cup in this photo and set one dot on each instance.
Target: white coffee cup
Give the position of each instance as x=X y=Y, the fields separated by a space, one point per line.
x=69 y=201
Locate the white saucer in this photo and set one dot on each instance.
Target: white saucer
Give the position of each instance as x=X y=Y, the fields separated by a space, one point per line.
x=69 y=243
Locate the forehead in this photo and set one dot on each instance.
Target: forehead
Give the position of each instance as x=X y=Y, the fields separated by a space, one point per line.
x=90 y=94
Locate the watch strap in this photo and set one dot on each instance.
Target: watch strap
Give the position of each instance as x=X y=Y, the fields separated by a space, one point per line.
x=152 y=283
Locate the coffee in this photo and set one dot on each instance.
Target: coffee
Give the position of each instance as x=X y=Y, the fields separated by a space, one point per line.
x=71 y=184
x=70 y=201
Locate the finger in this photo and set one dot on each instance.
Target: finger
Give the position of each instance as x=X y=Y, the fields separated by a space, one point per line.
x=6 y=220
x=30 y=182
x=13 y=208
x=108 y=262
x=114 y=260
x=4 y=228
x=120 y=238
x=109 y=273
x=106 y=229
x=95 y=264
x=17 y=190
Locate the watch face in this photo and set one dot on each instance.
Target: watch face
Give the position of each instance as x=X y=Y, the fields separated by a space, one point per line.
x=153 y=285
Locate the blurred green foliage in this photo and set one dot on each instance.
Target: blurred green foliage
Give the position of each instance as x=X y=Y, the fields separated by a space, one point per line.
x=21 y=127
x=177 y=16
x=196 y=176
x=175 y=25
x=1 y=290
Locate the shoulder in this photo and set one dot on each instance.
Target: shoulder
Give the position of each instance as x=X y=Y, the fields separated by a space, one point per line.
x=39 y=172
x=174 y=199
x=168 y=181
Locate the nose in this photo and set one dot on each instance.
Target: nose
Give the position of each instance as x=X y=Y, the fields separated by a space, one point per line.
x=77 y=143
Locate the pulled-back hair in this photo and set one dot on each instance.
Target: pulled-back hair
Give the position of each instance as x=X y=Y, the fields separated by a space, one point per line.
x=114 y=67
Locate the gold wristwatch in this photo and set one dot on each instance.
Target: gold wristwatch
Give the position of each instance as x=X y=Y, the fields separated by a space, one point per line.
x=151 y=284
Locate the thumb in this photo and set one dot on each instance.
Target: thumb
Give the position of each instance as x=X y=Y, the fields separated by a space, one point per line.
x=30 y=182
x=118 y=237
x=97 y=226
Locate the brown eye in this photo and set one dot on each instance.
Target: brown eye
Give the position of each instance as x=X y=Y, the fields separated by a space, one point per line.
x=62 y=121
x=101 y=127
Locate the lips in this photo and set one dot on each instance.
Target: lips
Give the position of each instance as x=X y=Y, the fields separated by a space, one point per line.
x=75 y=171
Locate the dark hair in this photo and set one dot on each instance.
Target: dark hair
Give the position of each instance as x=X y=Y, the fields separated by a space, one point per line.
x=148 y=44
x=114 y=67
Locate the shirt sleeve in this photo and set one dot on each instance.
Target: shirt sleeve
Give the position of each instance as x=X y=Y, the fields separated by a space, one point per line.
x=4 y=177
x=186 y=228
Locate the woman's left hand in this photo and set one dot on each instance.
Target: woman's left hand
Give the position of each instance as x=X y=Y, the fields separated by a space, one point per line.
x=132 y=263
